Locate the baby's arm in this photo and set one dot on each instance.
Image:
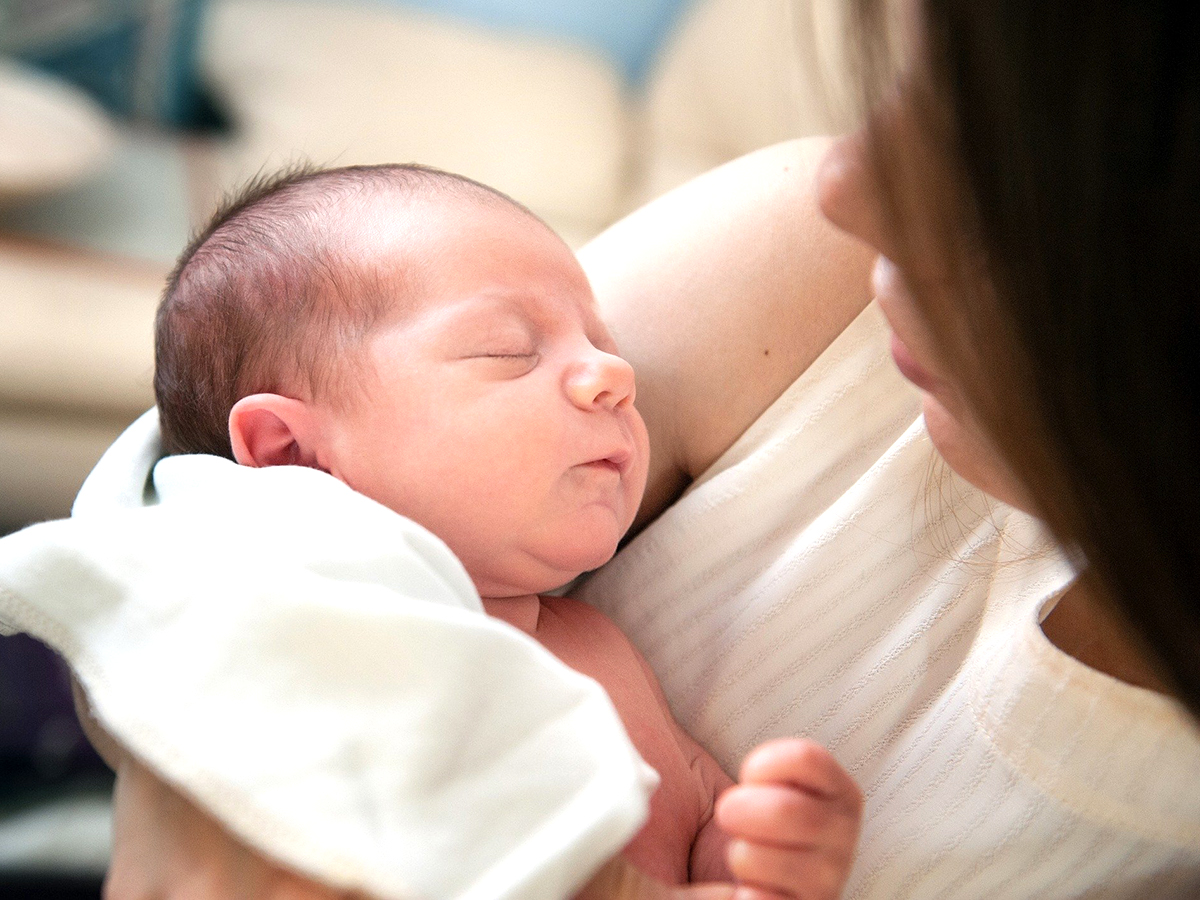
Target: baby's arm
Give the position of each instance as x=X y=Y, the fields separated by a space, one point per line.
x=788 y=829
x=707 y=861
x=619 y=879
x=794 y=820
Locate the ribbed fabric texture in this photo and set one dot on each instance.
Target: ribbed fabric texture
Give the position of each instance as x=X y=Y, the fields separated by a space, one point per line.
x=829 y=577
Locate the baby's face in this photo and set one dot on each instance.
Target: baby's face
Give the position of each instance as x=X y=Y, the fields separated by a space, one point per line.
x=496 y=411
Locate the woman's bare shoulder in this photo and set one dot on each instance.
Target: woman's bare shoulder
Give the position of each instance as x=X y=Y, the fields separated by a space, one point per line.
x=720 y=294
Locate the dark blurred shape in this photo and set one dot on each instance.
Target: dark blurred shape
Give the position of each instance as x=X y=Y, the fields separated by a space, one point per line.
x=35 y=886
x=137 y=59
x=42 y=747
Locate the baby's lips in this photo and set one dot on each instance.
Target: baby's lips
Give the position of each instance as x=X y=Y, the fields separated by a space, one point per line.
x=608 y=463
x=620 y=458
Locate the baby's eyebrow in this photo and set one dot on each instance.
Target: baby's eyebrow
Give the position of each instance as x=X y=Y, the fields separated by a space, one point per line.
x=489 y=312
x=532 y=310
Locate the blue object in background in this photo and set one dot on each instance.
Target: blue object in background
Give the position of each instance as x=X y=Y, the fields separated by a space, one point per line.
x=628 y=32
x=137 y=59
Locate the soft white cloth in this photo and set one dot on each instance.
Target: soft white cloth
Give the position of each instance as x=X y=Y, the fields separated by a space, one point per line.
x=827 y=577
x=319 y=673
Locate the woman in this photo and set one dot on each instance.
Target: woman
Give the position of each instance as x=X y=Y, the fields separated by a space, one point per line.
x=1032 y=181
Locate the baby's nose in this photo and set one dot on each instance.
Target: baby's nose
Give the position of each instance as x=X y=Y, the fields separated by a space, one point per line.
x=601 y=380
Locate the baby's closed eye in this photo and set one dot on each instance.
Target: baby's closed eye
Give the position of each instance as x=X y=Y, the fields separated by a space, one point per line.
x=499 y=343
x=504 y=362
x=504 y=354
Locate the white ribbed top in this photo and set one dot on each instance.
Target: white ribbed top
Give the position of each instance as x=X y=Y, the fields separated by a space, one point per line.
x=828 y=577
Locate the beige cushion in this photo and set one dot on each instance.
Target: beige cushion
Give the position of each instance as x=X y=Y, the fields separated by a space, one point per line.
x=76 y=361
x=50 y=133
x=340 y=83
x=45 y=459
x=736 y=76
x=78 y=331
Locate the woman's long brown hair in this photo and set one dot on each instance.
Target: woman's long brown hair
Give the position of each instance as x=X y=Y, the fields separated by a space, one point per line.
x=1066 y=141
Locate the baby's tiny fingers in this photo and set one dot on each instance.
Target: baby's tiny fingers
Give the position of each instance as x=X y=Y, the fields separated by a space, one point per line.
x=804 y=764
x=799 y=874
x=781 y=815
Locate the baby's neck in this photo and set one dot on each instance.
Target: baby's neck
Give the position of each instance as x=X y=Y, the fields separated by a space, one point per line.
x=519 y=612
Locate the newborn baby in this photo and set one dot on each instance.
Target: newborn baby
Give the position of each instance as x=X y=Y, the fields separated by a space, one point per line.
x=432 y=344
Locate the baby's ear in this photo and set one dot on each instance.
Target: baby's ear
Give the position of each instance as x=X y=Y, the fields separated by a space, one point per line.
x=273 y=430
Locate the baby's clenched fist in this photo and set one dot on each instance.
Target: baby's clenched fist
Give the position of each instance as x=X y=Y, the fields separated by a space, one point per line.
x=794 y=819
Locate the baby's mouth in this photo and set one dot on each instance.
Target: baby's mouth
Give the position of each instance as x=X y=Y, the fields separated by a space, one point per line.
x=608 y=464
x=617 y=461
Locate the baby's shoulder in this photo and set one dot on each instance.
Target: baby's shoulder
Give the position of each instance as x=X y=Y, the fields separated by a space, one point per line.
x=570 y=608
x=584 y=618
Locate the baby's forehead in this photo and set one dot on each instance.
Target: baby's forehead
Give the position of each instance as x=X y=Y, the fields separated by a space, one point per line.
x=382 y=207
x=422 y=234
x=438 y=246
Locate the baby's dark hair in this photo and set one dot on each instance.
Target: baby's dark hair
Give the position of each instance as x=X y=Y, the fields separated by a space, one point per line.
x=268 y=298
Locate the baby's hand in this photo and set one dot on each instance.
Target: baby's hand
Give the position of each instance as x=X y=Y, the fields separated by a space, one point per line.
x=794 y=820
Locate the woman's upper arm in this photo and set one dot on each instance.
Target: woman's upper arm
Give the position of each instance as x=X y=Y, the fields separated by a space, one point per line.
x=720 y=294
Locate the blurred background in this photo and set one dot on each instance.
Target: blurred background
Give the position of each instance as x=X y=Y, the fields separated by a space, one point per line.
x=123 y=122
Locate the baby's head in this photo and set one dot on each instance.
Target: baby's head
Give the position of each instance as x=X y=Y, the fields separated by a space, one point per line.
x=278 y=288
x=427 y=341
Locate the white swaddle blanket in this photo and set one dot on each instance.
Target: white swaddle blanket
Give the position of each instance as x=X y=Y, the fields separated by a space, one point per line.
x=318 y=672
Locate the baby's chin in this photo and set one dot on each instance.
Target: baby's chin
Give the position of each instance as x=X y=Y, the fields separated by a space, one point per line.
x=581 y=559
x=543 y=573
